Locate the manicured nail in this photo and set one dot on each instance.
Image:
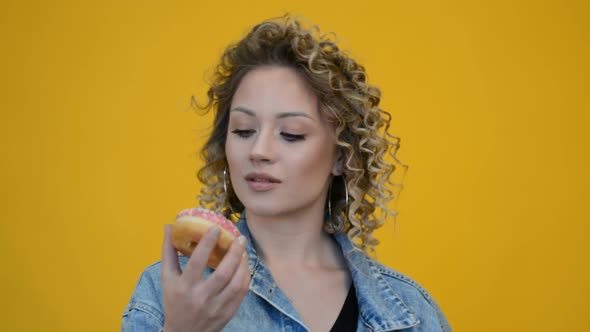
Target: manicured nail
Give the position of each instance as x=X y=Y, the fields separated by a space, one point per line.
x=242 y=240
x=214 y=231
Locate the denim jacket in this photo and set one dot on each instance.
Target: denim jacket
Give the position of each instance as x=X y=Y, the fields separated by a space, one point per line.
x=387 y=300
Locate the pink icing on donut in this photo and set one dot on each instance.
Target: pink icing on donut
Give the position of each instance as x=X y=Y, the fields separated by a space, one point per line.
x=216 y=218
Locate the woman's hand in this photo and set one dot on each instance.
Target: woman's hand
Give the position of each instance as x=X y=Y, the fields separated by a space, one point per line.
x=193 y=303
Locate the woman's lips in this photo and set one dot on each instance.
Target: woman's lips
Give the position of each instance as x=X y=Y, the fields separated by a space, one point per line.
x=260 y=182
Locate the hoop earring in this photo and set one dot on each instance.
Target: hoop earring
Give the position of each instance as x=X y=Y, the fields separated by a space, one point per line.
x=225 y=190
x=330 y=197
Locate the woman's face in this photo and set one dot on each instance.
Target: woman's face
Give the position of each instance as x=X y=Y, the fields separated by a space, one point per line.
x=280 y=150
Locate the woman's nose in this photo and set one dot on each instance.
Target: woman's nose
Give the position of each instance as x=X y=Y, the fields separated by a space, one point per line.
x=263 y=148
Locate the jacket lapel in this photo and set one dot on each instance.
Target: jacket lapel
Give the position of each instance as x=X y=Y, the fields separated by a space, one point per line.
x=380 y=308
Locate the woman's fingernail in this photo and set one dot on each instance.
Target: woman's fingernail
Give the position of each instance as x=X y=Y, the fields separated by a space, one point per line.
x=214 y=231
x=242 y=240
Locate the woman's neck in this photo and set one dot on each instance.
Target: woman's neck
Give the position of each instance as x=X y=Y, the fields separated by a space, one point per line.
x=297 y=240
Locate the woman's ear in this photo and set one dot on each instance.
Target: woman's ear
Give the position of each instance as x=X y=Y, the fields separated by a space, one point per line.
x=338 y=167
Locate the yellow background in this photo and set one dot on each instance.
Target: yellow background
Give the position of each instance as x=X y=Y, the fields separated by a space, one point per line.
x=490 y=100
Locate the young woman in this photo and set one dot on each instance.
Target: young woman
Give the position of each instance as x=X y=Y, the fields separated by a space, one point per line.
x=299 y=149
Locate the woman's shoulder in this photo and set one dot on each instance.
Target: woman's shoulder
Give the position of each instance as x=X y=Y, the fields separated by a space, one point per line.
x=401 y=281
x=398 y=300
x=413 y=294
x=150 y=283
x=145 y=305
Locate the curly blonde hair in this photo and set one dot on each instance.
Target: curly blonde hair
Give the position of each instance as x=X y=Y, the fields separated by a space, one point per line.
x=346 y=99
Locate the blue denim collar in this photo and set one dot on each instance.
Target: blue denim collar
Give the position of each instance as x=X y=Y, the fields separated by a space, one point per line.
x=380 y=308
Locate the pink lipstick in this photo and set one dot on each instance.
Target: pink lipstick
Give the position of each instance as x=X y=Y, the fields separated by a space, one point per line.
x=261 y=182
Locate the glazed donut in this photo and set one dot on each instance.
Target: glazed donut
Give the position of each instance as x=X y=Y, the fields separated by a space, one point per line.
x=192 y=224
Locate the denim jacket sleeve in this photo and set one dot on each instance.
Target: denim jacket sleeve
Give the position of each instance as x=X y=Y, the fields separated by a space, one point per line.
x=144 y=310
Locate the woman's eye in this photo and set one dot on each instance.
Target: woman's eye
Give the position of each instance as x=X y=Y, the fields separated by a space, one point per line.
x=292 y=137
x=243 y=132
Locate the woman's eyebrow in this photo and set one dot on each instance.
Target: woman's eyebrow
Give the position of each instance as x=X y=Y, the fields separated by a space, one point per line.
x=243 y=110
x=279 y=115
x=291 y=114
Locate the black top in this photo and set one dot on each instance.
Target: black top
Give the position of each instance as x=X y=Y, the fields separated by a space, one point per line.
x=349 y=314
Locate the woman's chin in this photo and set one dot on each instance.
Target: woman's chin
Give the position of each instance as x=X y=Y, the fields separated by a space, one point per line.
x=265 y=210
x=262 y=212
